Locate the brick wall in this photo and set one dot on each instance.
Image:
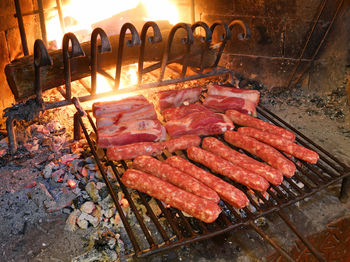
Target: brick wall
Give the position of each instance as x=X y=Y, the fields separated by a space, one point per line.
x=10 y=43
x=279 y=29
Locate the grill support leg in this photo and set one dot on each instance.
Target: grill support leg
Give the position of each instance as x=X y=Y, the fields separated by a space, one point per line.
x=11 y=135
x=345 y=190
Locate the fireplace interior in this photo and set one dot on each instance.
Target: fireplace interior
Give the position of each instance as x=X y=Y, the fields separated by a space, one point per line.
x=62 y=198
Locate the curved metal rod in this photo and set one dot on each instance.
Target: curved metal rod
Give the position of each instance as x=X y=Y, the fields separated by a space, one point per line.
x=135 y=40
x=246 y=31
x=156 y=38
x=188 y=41
x=208 y=38
x=76 y=52
x=41 y=58
x=103 y=48
x=226 y=36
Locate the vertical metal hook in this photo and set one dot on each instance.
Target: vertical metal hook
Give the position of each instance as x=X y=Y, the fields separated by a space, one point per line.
x=135 y=40
x=41 y=58
x=246 y=31
x=104 y=47
x=187 y=41
x=77 y=51
x=225 y=37
x=208 y=38
x=156 y=38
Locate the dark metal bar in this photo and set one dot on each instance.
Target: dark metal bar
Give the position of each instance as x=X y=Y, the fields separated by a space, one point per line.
x=11 y=134
x=76 y=127
x=60 y=15
x=154 y=218
x=75 y=52
x=301 y=236
x=105 y=47
x=138 y=88
x=156 y=38
x=41 y=58
x=135 y=40
x=340 y=3
x=21 y=28
x=207 y=40
x=227 y=36
x=110 y=189
x=188 y=42
x=345 y=190
x=320 y=11
x=280 y=250
x=42 y=21
x=134 y=209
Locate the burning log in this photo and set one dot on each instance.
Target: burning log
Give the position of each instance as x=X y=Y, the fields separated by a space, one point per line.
x=20 y=73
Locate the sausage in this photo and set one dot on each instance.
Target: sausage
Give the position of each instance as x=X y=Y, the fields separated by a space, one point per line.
x=265 y=152
x=225 y=190
x=217 y=147
x=226 y=168
x=200 y=208
x=182 y=142
x=174 y=176
x=246 y=120
x=131 y=151
x=281 y=143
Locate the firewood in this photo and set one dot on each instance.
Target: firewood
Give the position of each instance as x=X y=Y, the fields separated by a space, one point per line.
x=20 y=72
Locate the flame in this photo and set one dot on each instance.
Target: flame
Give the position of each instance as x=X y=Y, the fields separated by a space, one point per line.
x=80 y=15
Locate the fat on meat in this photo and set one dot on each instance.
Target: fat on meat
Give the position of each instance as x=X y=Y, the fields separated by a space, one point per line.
x=126 y=104
x=203 y=209
x=132 y=131
x=142 y=112
x=174 y=98
x=199 y=123
x=248 y=94
x=223 y=103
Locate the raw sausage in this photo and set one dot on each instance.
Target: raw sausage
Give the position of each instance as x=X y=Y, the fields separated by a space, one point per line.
x=182 y=142
x=193 y=205
x=265 y=152
x=225 y=190
x=131 y=151
x=226 y=168
x=219 y=148
x=174 y=176
x=281 y=143
x=246 y=120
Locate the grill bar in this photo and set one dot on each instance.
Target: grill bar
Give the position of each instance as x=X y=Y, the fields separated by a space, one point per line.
x=308 y=180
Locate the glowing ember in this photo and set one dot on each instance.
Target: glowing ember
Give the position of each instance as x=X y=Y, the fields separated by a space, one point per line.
x=71 y=183
x=124 y=202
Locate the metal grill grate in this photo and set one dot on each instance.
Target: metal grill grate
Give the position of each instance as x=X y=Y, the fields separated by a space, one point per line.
x=177 y=229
